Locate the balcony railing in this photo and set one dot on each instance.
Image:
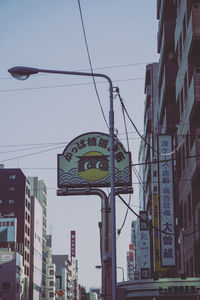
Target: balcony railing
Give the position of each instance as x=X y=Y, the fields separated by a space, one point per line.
x=193 y=98
x=167 y=89
x=193 y=30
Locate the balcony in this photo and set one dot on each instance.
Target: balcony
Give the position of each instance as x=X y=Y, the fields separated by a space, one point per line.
x=192 y=41
x=147 y=121
x=193 y=101
x=167 y=12
x=167 y=88
x=170 y=119
x=193 y=166
x=167 y=41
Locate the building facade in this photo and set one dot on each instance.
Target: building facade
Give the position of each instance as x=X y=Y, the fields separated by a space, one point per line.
x=36 y=250
x=38 y=189
x=50 y=272
x=11 y=275
x=15 y=202
x=171 y=194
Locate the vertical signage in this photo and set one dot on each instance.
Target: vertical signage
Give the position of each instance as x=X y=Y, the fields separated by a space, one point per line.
x=167 y=238
x=73 y=243
x=144 y=246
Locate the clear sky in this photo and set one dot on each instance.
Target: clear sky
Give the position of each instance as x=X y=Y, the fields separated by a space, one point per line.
x=46 y=112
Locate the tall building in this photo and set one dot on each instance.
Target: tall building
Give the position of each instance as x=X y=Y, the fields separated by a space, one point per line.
x=36 y=250
x=15 y=202
x=50 y=273
x=11 y=275
x=185 y=58
x=171 y=150
x=66 y=276
x=38 y=189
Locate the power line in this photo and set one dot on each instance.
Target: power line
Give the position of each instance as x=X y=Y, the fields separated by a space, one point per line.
x=90 y=62
x=168 y=233
x=30 y=154
x=94 y=68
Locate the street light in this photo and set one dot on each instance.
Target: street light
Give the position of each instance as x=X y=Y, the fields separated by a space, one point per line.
x=99 y=267
x=122 y=272
x=22 y=73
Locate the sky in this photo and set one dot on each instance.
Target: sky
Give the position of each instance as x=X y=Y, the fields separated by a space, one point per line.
x=41 y=115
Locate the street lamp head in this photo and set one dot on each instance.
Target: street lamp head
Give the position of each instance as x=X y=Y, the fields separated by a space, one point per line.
x=22 y=73
x=98 y=267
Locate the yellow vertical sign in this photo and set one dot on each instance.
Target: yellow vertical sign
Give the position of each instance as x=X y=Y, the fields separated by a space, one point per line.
x=157 y=266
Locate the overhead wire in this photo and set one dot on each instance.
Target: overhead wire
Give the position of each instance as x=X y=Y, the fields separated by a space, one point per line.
x=152 y=226
x=143 y=219
x=90 y=62
x=143 y=138
x=30 y=154
x=128 y=148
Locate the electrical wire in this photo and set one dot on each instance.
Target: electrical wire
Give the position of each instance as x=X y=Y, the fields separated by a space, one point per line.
x=90 y=62
x=96 y=68
x=168 y=233
x=151 y=226
x=142 y=137
x=30 y=154
x=126 y=132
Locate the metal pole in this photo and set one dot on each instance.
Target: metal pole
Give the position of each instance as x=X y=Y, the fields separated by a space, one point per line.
x=16 y=71
x=112 y=194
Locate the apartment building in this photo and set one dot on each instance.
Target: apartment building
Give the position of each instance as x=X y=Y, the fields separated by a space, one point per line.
x=36 y=250
x=15 y=202
x=38 y=189
x=172 y=112
x=50 y=272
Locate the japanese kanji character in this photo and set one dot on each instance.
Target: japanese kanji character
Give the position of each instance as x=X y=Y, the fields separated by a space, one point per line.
x=119 y=156
x=92 y=141
x=103 y=143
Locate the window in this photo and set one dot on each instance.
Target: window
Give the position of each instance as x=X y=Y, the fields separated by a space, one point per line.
x=1 y=201
x=189 y=208
x=51 y=272
x=185 y=86
x=11 y=201
x=191 y=266
x=51 y=283
x=11 y=188
x=6 y=285
x=51 y=294
x=11 y=214
x=185 y=215
x=12 y=177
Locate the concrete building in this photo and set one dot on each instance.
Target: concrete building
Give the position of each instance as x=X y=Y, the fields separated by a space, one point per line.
x=179 y=79
x=15 y=202
x=50 y=272
x=36 y=250
x=66 y=276
x=11 y=275
x=171 y=117
x=38 y=189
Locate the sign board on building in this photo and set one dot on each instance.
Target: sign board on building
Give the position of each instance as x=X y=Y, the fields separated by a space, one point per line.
x=8 y=229
x=144 y=246
x=73 y=243
x=86 y=162
x=143 y=220
x=167 y=238
x=7 y=257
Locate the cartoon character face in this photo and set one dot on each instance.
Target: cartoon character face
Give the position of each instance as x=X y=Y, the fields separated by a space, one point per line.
x=93 y=166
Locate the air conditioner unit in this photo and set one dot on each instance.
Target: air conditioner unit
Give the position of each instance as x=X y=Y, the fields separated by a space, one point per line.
x=196 y=5
x=197 y=70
